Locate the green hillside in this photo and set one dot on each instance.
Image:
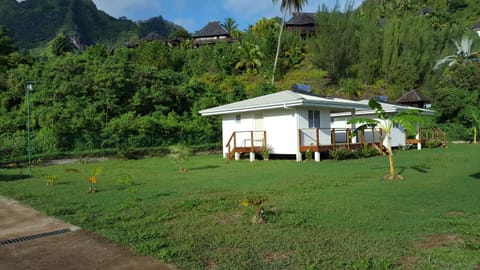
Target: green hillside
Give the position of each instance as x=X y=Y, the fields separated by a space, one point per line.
x=33 y=23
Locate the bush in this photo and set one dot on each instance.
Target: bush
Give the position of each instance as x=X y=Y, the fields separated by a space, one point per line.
x=433 y=144
x=368 y=151
x=343 y=153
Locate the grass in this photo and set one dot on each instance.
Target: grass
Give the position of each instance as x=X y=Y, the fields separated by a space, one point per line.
x=332 y=214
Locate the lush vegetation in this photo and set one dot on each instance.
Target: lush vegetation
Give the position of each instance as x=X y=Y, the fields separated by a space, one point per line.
x=332 y=214
x=35 y=23
x=150 y=95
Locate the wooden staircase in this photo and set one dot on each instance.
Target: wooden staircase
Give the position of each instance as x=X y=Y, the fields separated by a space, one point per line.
x=246 y=142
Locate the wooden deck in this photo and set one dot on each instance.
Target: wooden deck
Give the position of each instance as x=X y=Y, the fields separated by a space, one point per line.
x=320 y=140
x=426 y=135
x=325 y=140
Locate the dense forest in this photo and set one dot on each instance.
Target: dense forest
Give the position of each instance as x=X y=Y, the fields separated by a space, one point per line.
x=150 y=95
x=33 y=23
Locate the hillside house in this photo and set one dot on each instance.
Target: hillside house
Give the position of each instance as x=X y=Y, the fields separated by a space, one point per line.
x=414 y=98
x=302 y=23
x=210 y=34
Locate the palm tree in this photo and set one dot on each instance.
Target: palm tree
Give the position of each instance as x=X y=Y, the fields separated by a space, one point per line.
x=230 y=25
x=464 y=55
x=290 y=6
x=407 y=119
x=250 y=57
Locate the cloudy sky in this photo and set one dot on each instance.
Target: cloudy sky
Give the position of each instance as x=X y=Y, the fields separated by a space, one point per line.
x=194 y=14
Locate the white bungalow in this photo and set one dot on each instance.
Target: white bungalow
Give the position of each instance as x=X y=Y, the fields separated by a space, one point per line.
x=398 y=134
x=290 y=122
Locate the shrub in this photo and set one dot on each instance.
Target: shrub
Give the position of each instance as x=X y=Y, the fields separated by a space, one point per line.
x=342 y=154
x=433 y=144
x=308 y=155
x=179 y=154
x=368 y=151
x=265 y=153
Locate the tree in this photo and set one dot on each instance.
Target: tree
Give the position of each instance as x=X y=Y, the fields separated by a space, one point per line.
x=61 y=45
x=250 y=57
x=464 y=55
x=407 y=119
x=286 y=5
x=231 y=26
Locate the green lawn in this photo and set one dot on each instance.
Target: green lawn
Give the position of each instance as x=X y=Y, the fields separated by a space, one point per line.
x=332 y=214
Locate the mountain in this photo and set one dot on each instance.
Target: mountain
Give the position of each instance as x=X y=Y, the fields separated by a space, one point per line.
x=33 y=23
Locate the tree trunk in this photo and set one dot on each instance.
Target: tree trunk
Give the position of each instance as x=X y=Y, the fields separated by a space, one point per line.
x=390 y=155
x=474 y=135
x=278 y=47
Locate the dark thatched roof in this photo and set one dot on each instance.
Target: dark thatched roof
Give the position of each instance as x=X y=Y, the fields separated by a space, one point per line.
x=476 y=26
x=153 y=36
x=212 y=29
x=302 y=18
x=426 y=10
x=413 y=96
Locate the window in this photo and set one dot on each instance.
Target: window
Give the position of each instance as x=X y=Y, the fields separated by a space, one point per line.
x=313 y=119
x=238 y=118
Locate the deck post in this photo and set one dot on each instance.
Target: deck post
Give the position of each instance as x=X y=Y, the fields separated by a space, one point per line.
x=348 y=137
x=353 y=127
x=419 y=137
x=299 y=156
x=333 y=138
x=317 y=156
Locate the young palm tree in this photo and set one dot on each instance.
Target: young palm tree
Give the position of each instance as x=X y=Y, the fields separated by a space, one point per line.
x=464 y=55
x=407 y=119
x=290 y=6
x=230 y=25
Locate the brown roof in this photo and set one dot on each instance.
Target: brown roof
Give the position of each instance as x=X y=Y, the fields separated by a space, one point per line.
x=413 y=96
x=302 y=18
x=153 y=36
x=212 y=29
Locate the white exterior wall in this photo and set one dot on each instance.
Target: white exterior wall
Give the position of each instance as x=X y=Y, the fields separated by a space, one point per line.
x=309 y=136
x=280 y=125
x=282 y=131
x=398 y=134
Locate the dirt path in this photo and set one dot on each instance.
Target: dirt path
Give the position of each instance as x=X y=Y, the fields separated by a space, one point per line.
x=68 y=248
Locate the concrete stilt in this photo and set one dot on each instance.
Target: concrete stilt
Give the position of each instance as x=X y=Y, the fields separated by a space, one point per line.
x=317 y=156
x=252 y=157
x=299 y=157
x=237 y=156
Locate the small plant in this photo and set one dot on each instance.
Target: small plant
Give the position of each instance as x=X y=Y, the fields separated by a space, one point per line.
x=126 y=182
x=368 y=151
x=433 y=144
x=341 y=154
x=308 y=155
x=265 y=153
x=179 y=154
x=256 y=202
x=51 y=180
x=92 y=179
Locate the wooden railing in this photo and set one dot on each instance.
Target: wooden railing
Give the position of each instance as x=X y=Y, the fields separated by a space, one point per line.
x=326 y=139
x=427 y=135
x=246 y=141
